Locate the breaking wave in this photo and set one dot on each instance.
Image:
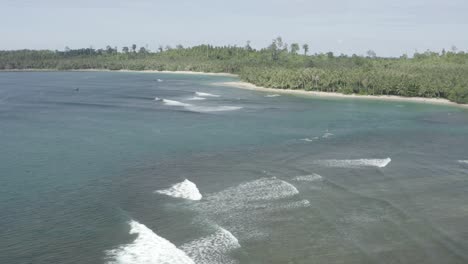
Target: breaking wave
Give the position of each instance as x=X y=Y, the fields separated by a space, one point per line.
x=206 y=94
x=380 y=163
x=197 y=108
x=246 y=209
x=327 y=135
x=147 y=248
x=309 y=178
x=206 y=109
x=307 y=139
x=196 y=98
x=463 y=161
x=264 y=189
x=272 y=95
x=174 y=103
x=212 y=249
x=186 y=190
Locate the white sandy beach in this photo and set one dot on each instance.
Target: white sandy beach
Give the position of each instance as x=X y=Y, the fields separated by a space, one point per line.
x=249 y=86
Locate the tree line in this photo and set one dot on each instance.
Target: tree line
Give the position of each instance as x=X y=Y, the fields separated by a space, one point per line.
x=280 y=65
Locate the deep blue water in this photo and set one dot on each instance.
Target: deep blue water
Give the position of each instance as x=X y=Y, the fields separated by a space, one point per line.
x=283 y=179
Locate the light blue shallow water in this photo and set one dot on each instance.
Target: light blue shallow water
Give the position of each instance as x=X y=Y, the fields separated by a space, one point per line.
x=283 y=179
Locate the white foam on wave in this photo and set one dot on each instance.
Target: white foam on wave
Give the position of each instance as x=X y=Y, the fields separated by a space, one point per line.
x=262 y=189
x=196 y=98
x=206 y=94
x=147 y=248
x=174 y=103
x=308 y=178
x=263 y=208
x=159 y=80
x=298 y=204
x=272 y=95
x=246 y=209
x=197 y=108
x=206 y=109
x=327 y=135
x=186 y=190
x=380 y=163
x=463 y=161
x=212 y=249
x=309 y=139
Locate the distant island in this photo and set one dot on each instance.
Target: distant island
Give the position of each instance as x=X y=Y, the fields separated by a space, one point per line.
x=429 y=74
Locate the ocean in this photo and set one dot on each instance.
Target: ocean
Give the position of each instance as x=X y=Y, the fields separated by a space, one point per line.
x=115 y=167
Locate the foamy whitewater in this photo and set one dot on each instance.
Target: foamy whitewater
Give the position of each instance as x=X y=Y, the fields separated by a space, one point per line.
x=380 y=163
x=198 y=108
x=147 y=248
x=463 y=161
x=309 y=178
x=174 y=103
x=258 y=190
x=207 y=109
x=186 y=190
x=201 y=94
x=212 y=249
x=196 y=98
x=245 y=209
x=307 y=139
x=272 y=95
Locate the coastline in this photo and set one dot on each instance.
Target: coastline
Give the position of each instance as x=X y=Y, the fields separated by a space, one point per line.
x=249 y=86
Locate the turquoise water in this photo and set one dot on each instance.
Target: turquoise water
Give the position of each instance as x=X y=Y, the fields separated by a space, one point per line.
x=282 y=179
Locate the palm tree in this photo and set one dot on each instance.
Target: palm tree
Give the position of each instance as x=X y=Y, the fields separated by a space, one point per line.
x=305 y=47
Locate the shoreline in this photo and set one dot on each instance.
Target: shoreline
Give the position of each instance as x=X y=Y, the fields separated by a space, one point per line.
x=422 y=100
x=250 y=86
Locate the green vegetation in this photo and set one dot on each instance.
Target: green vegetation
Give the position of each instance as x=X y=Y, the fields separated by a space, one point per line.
x=428 y=74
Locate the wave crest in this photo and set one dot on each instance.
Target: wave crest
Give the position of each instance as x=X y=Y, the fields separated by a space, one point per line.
x=147 y=248
x=206 y=94
x=213 y=248
x=258 y=190
x=196 y=98
x=197 y=108
x=174 y=103
x=309 y=178
x=204 y=109
x=186 y=190
x=246 y=209
x=380 y=163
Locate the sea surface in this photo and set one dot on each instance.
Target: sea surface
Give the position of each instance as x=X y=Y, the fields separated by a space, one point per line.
x=113 y=167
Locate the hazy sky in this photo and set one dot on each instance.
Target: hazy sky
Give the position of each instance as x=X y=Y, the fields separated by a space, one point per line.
x=343 y=26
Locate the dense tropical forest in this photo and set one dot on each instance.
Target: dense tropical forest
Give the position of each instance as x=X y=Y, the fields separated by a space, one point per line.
x=430 y=74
